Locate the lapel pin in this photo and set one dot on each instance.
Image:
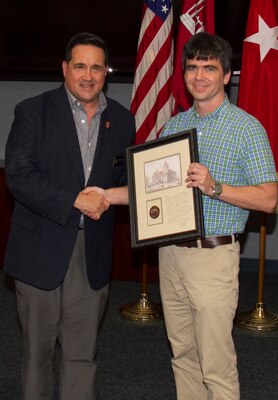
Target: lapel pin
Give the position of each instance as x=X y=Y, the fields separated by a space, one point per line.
x=107 y=124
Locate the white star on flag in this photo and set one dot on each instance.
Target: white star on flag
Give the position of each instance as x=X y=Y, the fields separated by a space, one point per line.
x=266 y=38
x=165 y=9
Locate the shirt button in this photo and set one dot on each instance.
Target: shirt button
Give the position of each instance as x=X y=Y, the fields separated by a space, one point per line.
x=83 y=121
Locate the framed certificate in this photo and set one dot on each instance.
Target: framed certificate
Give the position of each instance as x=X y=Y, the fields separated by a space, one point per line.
x=162 y=209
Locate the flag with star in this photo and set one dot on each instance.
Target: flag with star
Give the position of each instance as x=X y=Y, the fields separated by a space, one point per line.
x=196 y=16
x=151 y=101
x=258 y=87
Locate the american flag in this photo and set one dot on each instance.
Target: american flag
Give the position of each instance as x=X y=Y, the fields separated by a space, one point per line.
x=151 y=101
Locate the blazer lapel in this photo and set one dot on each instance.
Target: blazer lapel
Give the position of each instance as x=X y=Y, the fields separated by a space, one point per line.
x=65 y=127
x=104 y=139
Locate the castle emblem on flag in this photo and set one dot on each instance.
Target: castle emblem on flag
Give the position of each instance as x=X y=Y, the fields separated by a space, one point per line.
x=191 y=19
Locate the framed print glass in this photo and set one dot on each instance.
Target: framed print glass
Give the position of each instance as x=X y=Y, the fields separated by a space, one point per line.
x=162 y=209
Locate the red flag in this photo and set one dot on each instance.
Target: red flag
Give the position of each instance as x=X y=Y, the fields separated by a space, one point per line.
x=258 y=88
x=152 y=98
x=196 y=16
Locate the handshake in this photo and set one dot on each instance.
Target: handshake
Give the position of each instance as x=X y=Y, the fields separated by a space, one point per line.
x=93 y=201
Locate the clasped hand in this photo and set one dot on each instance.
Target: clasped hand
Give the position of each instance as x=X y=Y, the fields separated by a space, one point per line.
x=92 y=202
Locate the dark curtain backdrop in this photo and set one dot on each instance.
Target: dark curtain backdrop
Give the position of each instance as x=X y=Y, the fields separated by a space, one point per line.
x=33 y=34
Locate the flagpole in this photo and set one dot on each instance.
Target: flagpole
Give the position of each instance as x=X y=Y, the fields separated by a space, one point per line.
x=257 y=96
x=151 y=105
x=259 y=319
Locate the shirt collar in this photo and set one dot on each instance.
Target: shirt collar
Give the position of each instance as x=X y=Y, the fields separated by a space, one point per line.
x=214 y=114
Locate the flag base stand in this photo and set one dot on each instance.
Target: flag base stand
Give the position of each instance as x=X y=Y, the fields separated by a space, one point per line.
x=257 y=320
x=142 y=310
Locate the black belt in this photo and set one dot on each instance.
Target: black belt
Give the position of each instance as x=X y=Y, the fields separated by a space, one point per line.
x=209 y=242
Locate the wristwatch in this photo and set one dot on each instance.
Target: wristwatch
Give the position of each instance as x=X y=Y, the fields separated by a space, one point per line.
x=216 y=190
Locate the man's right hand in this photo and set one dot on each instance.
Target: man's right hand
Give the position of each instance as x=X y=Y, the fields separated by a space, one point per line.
x=91 y=204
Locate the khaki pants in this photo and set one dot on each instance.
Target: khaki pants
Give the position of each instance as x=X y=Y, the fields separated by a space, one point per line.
x=70 y=313
x=199 y=291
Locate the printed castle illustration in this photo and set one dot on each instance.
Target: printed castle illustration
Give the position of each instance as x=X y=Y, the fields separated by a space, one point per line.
x=165 y=175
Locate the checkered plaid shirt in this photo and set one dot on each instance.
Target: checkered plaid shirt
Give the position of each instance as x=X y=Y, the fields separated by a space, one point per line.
x=235 y=148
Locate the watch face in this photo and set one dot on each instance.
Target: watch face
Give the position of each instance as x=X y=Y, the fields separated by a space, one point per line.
x=217 y=189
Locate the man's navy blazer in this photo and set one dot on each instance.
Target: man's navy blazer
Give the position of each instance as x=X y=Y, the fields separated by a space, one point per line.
x=44 y=172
